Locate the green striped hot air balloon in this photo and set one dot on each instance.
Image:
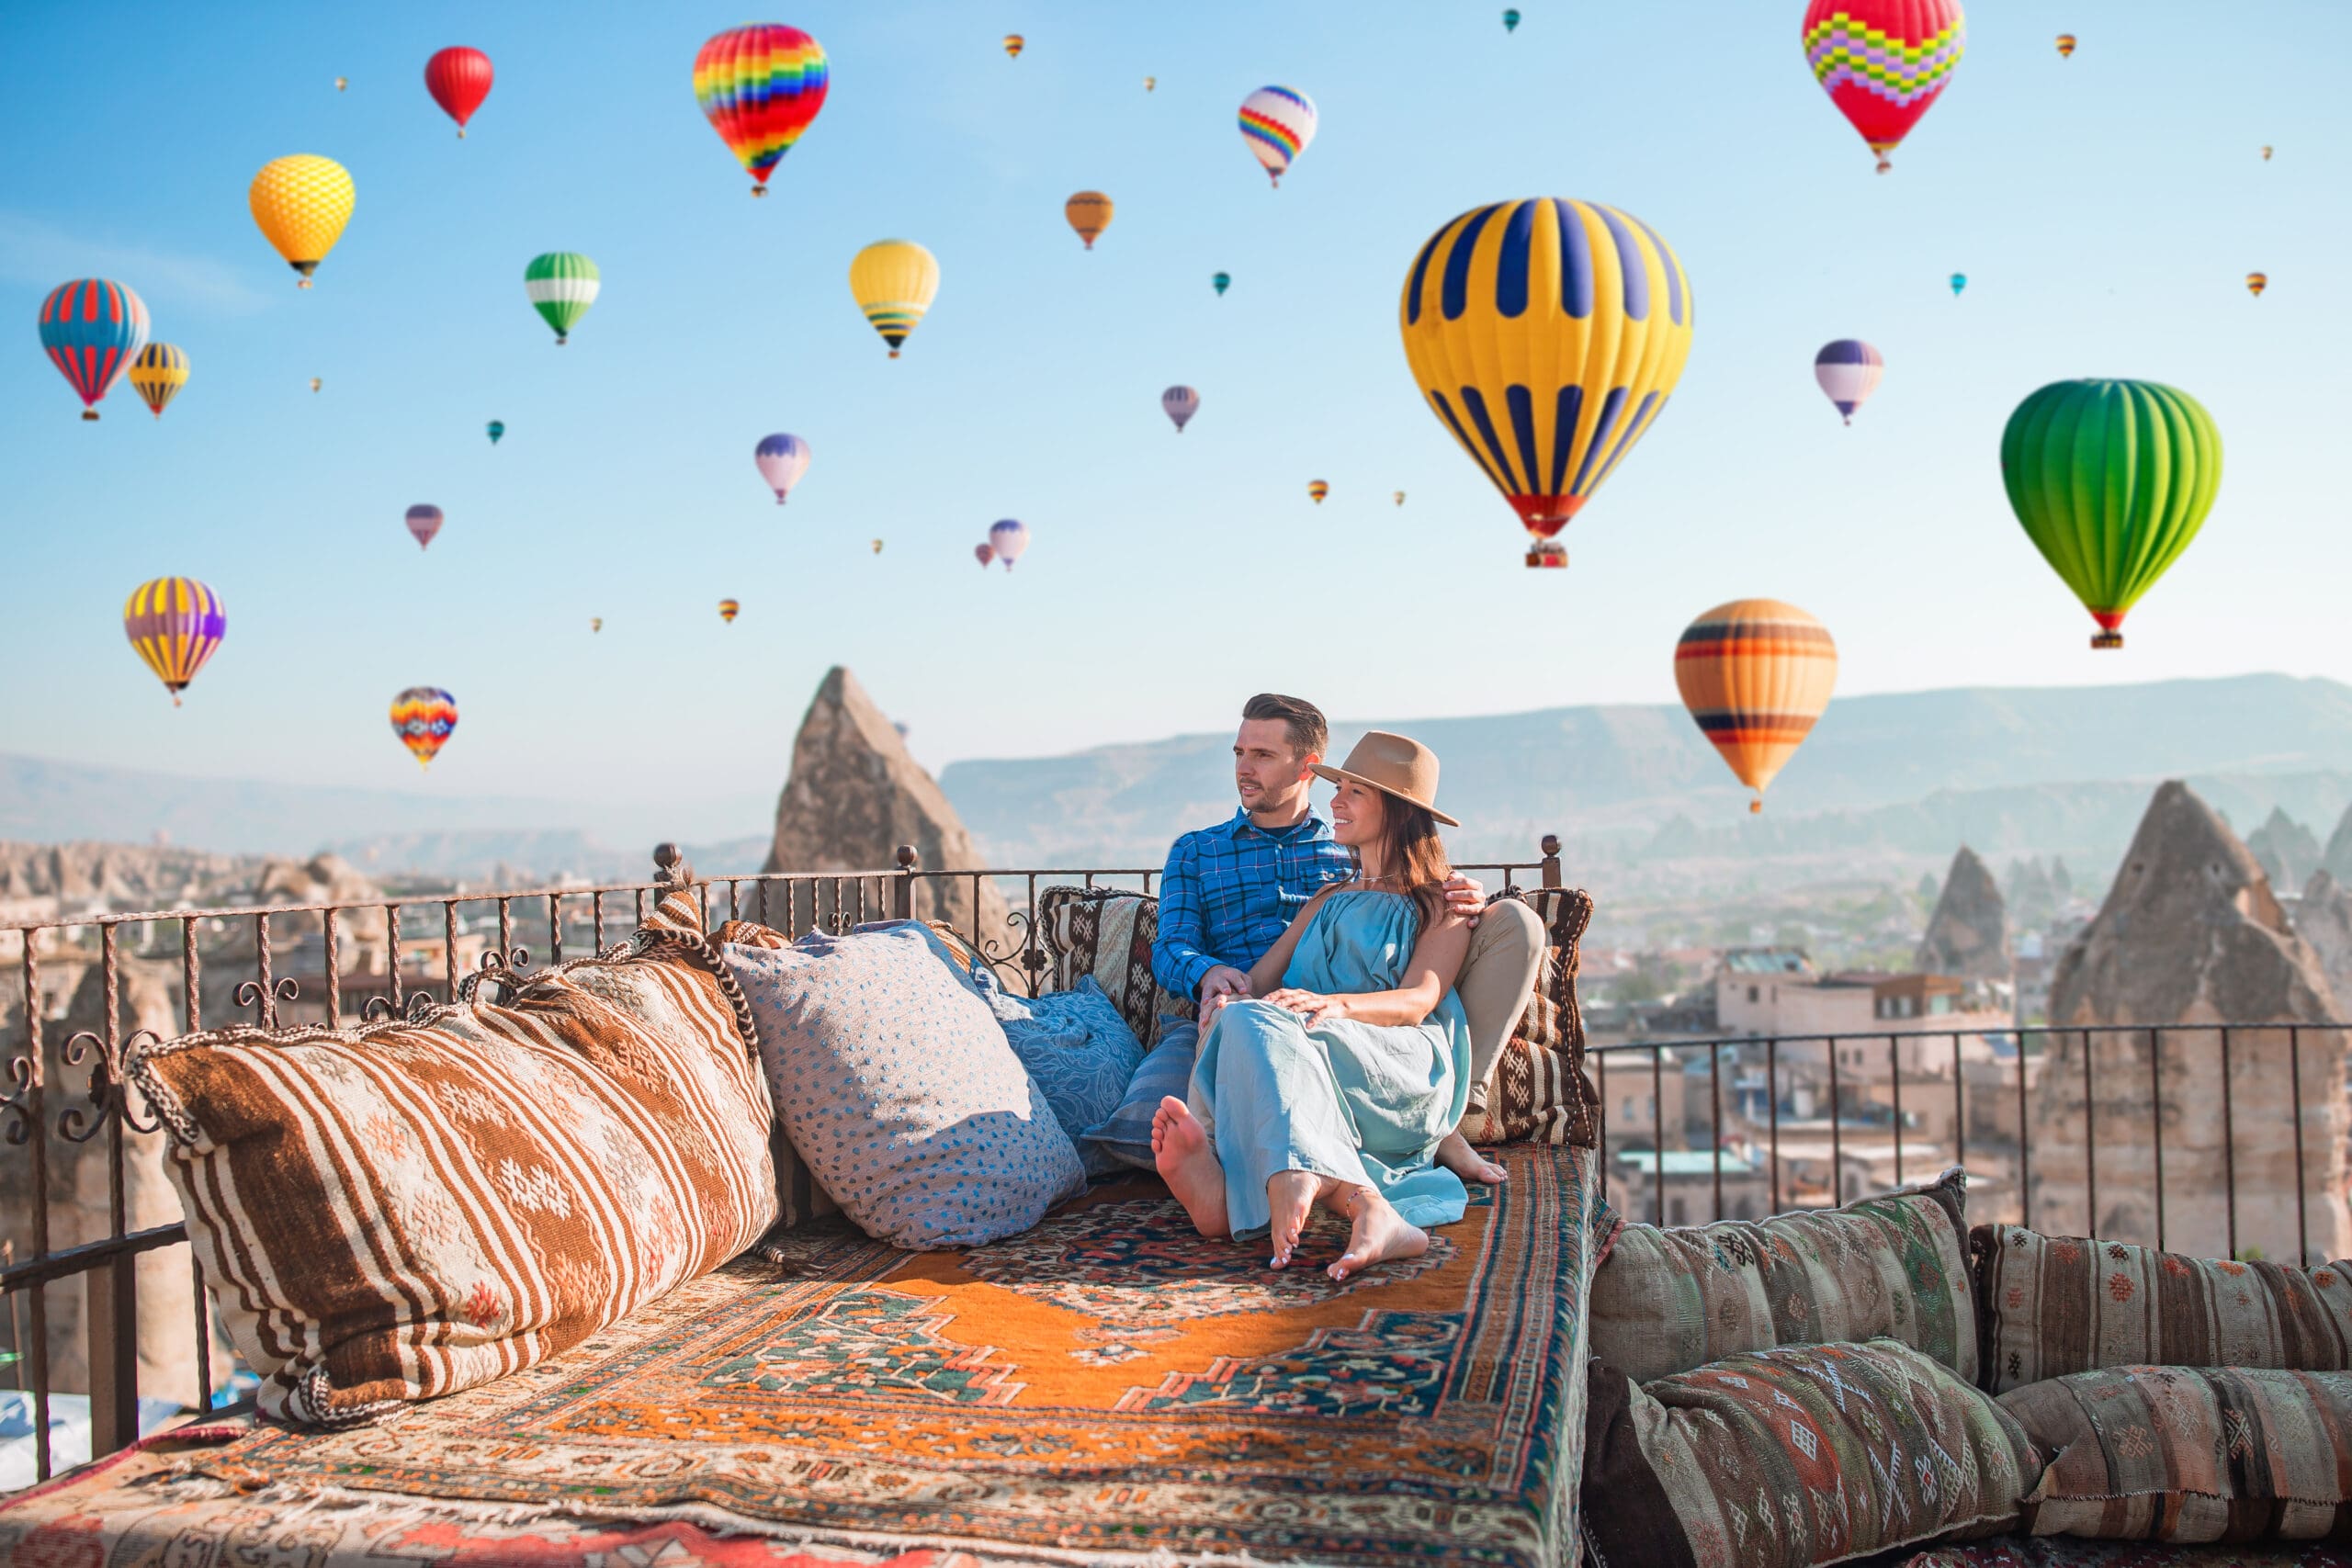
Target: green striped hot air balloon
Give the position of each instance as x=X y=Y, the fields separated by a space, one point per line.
x=562 y=285
x=2111 y=481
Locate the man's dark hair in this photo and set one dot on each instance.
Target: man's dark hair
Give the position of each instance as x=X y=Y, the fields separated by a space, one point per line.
x=1309 y=734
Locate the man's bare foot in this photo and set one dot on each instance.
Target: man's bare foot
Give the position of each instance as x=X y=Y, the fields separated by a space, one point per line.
x=1380 y=1234
x=1454 y=1153
x=1187 y=1162
x=1290 y=1195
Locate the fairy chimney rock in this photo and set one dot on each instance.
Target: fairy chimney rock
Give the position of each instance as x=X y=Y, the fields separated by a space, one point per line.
x=2336 y=859
x=2323 y=919
x=2191 y=933
x=2285 y=850
x=853 y=797
x=1969 y=934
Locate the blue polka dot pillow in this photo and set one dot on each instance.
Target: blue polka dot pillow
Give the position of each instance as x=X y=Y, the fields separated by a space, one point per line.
x=899 y=1090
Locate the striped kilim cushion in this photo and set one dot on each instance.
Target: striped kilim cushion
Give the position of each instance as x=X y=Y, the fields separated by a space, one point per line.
x=1108 y=935
x=1538 y=1093
x=401 y=1211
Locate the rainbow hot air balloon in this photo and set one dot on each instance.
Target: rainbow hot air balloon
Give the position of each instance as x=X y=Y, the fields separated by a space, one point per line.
x=1013 y=44
x=1959 y=282
x=497 y=427
x=1221 y=282
x=158 y=374
x=1008 y=538
x=2256 y=282
x=1756 y=673
x=1883 y=63
x=1511 y=21
x=425 y=717
x=458 y=80
x=300 y=205
x=1316 y=490
x=782 y=460
x=1277 y=123
x=984 y=553
x=1088 y=214
x=1181 y=404
x=423 y=521
x=760 y=87
x=894 y=282
x=1546 y=336
x=1849 y=371
x=175 y=624
x=2111 y=481
x=562 y=285
x=92 y=329
x=2065 y=46
x=728 y=609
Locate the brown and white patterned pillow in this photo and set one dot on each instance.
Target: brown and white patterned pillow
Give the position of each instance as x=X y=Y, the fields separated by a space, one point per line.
x=1108 y=935
x=1538 y=1093
x=403 y=1210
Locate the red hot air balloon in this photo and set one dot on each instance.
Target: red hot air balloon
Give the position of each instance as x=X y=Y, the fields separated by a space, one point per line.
x=1883 y=63
x=423 y=521
x=984 y=553
x=458 y=80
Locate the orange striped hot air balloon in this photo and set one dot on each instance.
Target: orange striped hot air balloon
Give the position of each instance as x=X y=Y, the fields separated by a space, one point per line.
x=1755 y=674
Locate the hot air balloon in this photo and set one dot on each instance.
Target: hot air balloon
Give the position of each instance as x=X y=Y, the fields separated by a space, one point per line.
x=894 y=282
x=92 y=328
x=1008 y=538
x=175 y=624
x=984 y=553
x=316 y=383
x=1317 y=490
x=1959 y=282
x=424 y=717
x=1221 y=282
x=458 y=80
x=1013 y=44
x=760 y=87
x=2256 y=282
x=1180 y=403
x=1511 y=21
x=782 y=460
x=728 y=609
x=595 y=623
x=1755 y=674
x=1849 y=371
x=1400 y=498
x=158 y=374
x=341 y=82
x=2111 y=481
x=1277 y=123
x=1149 y=83
x=1546 y=336
x=2266 y=154
x=1883 y=63
x=2065 y=46
x=423 y=521
x=878 y=547
x=301 y=204
x=562 y=285
x=497 y=427
x=1090 y=213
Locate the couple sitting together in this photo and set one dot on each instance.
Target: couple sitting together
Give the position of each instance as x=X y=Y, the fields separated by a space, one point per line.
x=1354 y=994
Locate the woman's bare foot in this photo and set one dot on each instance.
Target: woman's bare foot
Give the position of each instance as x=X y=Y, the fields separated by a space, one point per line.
x=1454 y=1153
x=1187 y=1162
x=1380 y=1234
x=1290 y=1195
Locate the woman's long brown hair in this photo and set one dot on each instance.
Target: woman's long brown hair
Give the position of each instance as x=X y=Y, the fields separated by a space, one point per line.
x=1413 y=856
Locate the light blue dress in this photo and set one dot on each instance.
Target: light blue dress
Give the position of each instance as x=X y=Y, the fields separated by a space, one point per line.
x=1366 y=1103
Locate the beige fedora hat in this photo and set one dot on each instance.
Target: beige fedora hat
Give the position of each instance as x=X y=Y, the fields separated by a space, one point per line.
x=1392 y=765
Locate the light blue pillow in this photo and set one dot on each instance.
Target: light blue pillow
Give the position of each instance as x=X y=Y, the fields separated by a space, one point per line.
x=1124 y=1136
x=1080 y=1052
x=898 y=1092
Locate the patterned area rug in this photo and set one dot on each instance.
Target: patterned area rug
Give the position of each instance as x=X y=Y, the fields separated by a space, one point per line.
x=1106 y=1388
x=2065 y=1552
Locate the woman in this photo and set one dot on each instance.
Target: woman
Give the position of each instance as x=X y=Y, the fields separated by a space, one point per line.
x=1339 y=1079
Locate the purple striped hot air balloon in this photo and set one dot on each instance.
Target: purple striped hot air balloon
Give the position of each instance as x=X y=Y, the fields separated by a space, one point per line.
x=782 y=459
x=92 y=329
x=423 y=521
x=1008 y=538
x=1181 y=403
x=1849 y=371
x=174 y=624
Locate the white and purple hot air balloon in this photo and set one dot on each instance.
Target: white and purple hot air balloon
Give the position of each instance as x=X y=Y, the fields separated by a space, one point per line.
x=782 y=460
x=423 y=521
x=1181 y=403
x=1009 y=540
x=1849 y=371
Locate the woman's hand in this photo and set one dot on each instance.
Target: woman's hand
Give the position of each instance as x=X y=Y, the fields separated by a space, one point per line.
x=1313 y=1007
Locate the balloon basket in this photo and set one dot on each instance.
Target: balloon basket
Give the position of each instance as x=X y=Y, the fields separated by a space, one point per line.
x=759 y=190
x=301 y=283
x=2107 y=639
x=1550 y=555
x=1756 y=807
x=90 y=414
x=461 y=133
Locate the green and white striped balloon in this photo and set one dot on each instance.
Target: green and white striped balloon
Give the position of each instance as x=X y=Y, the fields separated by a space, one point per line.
x=562 y=285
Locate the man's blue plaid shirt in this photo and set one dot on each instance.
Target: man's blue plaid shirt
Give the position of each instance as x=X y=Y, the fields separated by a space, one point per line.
x=1230 y=890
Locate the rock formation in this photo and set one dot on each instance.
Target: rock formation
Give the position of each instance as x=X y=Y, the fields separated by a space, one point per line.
x=853 y=797
x=2285 y=850
x=2325 y=920
x=2191 y=933
x=1968 y=934
x=2336 y=859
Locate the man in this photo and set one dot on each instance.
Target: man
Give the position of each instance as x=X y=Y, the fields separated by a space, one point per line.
x=1229 y=890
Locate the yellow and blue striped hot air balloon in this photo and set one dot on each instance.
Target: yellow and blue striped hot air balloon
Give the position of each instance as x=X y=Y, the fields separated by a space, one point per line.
x=1546 y=336
x=158 y=374
x=894 y=282
x=174 y=624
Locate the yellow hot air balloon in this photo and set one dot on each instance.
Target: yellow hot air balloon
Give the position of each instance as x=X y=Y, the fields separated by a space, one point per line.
x=595 y=623
x=1149 y=83
x=1755 y=674
x=2266 y=154
x=158 y=374
x=2256 y=282
x=341 y=82
x=1400 y=498
x=301 y=204
x=2065 y=46
x=878 y=547
x=1546 y=336
x=894 y=282
x=728 y=609
x=1090 y=213
x=1318 y=489
x=1013 y=44
x=316 y=383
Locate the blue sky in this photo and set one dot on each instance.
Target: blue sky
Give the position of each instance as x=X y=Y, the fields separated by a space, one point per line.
x=2104 y=208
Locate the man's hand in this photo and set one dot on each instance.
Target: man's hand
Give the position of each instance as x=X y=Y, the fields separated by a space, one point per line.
x=1219 y=987
x=1465 y=898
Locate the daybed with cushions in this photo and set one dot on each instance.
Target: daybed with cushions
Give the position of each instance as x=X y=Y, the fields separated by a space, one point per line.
x=540 y=1278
